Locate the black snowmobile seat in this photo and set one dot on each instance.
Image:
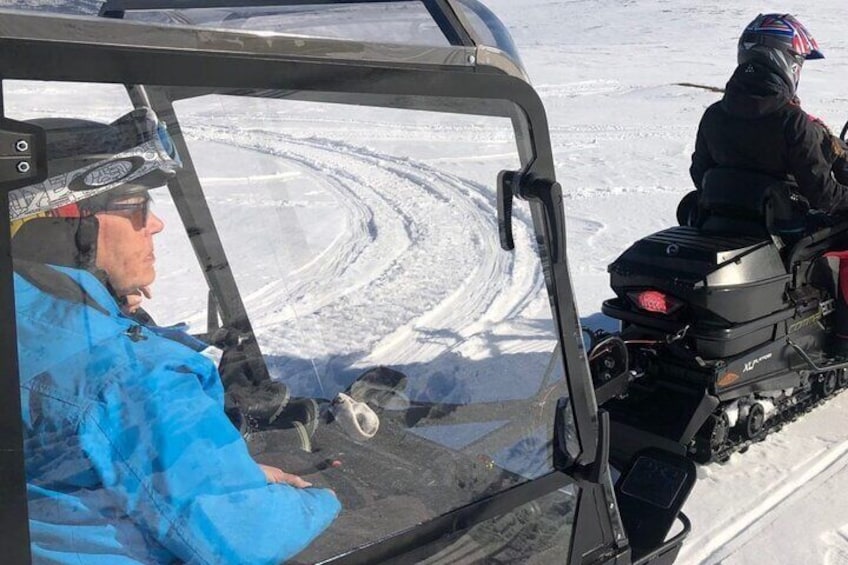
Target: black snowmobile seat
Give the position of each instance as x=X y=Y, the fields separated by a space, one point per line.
x=737 y=201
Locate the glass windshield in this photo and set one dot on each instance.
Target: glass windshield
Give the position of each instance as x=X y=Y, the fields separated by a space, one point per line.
x=490 y=30
x=406 y=22
x=366 y=333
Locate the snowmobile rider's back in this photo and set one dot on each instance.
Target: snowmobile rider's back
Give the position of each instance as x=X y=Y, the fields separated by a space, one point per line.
x=759 y=124
x=760 y=127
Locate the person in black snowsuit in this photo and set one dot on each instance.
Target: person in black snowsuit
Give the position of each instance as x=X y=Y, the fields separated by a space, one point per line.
x=836 y=150
x=759 y=126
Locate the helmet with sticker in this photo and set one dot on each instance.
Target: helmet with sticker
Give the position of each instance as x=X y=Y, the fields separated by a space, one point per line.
x=780 y=42
x=91 y=165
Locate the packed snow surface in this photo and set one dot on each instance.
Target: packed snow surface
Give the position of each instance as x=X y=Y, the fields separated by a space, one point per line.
x=622 y=126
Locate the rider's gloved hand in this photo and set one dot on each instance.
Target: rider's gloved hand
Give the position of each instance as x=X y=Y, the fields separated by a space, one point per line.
x=818 y=219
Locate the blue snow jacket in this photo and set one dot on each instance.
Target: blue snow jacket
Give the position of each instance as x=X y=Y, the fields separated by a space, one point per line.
x=129 y=455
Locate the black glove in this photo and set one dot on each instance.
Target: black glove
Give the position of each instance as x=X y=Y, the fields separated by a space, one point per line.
x=259 y=404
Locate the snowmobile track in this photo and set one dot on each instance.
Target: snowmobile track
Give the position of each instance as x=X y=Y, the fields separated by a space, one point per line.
x=424 y=244
x=774 y=424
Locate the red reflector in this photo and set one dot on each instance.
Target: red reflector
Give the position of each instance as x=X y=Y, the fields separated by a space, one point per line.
x=655 y=301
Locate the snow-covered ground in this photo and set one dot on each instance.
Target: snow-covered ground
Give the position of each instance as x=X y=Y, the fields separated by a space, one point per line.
x=622 y=130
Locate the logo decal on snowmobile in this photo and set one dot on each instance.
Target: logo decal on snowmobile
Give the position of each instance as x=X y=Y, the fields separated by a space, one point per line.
x=727 y=379
x=809 y=321
x=753 y=363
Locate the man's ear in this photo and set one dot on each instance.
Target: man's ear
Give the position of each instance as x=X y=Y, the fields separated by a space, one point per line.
x=86 y=241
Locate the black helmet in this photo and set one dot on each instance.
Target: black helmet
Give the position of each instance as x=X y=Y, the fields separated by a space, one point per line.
x=89 y=164
x=781 y=43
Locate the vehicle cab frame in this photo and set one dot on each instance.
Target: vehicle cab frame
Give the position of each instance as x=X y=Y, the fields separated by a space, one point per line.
x=163 y=64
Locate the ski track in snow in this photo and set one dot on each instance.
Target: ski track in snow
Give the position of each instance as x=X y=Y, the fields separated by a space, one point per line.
x=448 y=272
x=724 y=538
x=836 y=544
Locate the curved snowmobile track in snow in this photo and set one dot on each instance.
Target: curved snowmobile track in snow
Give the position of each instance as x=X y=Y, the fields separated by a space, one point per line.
x=420 y=243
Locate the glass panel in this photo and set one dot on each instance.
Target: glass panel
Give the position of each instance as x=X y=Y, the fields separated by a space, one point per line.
x=412 y=362
x=536 y=533
x=406 y=22
x=490 y=30
x=375 y=271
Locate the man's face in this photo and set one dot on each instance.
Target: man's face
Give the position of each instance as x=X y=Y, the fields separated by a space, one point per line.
x=125 y=244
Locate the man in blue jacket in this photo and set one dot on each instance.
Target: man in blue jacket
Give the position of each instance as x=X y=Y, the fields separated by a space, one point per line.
x=130 y=457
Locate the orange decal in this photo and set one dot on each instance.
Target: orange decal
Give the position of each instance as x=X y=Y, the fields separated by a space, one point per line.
x=727 y=379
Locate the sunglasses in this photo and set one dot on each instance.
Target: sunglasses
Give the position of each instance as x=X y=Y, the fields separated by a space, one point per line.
x=138 y=210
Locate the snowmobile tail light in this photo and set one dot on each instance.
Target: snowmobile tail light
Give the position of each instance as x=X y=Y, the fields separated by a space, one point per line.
x=655 y=301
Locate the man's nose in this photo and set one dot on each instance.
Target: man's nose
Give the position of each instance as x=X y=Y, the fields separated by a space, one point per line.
x=154 y=223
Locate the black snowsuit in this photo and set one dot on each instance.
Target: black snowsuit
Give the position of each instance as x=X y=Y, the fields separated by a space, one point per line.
x=759 y=126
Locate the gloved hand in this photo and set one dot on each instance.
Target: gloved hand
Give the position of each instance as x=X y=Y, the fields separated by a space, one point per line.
x=241 y=362
x=255 y=406
x=819 y=219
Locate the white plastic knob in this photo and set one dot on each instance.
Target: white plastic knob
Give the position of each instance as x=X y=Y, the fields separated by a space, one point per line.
x=357 y=419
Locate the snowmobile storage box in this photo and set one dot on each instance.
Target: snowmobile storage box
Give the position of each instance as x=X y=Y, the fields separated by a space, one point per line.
x=726 y=282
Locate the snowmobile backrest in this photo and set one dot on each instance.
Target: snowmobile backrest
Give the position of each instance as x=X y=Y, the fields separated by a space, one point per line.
x=749 y=203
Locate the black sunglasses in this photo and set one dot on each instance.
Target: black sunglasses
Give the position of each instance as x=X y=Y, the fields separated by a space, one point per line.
x=139 y=210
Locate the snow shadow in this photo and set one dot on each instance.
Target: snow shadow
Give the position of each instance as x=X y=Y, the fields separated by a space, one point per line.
x=599 y=321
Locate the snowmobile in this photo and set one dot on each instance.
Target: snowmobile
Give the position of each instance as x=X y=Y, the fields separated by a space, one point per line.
x=459 y=469
x=725 y=321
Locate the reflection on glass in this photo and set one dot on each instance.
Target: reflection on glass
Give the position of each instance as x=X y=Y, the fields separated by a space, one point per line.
x=536 y=533
x=377 y=274
x=406 y=22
